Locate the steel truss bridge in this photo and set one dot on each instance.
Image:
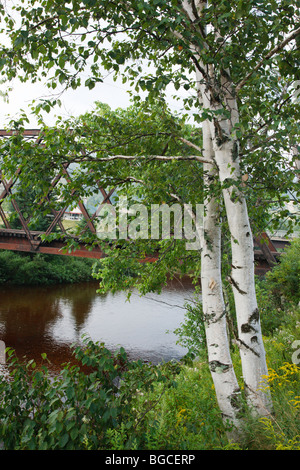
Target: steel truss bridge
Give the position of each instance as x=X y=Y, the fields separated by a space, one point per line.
x=26 y=240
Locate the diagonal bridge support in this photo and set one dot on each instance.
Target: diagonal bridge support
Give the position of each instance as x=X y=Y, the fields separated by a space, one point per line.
x=25 y=239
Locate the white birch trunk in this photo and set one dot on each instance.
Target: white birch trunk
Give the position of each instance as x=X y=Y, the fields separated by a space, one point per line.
x=220 y=363
x=242 y=277
x=225 y=149
x=242 y=280
x=214 y=312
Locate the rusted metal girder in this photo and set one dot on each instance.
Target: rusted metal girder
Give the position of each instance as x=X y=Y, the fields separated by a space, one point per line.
x=16 y=240
x=26 y=240
x=12 y=243
x=29 y=241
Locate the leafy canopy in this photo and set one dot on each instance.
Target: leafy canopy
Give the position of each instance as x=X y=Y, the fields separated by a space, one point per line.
x=154 y=45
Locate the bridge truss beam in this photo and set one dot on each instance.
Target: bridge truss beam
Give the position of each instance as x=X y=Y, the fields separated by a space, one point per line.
x=27 y=240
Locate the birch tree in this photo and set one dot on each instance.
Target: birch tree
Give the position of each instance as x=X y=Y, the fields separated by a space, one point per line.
x=225 y=155
x=229 y=56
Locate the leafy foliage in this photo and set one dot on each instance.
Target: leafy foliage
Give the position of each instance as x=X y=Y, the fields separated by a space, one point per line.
x=284 y=279
x=76 y=409
x=143 y=130
x=66 y=41
x=39 y=269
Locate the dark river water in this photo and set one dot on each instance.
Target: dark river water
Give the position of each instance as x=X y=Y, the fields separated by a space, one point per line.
x=36 y=320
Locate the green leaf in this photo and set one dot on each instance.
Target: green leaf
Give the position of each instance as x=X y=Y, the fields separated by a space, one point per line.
x=74 y=433
x=120 y=59
x=63 y=440
x=62 y=61
x=90 y=83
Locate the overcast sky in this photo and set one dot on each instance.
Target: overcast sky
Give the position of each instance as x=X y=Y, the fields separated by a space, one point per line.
x=74 y=102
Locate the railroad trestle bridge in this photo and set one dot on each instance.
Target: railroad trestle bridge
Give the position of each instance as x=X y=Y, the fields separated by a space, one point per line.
x=25 y=239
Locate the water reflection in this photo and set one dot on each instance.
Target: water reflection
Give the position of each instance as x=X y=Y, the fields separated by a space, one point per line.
x=49 y=319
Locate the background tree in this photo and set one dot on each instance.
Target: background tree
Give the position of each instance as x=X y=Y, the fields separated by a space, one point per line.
x=25 y=202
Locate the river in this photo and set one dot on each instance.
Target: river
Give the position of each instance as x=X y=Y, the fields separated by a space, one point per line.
x=49 y=319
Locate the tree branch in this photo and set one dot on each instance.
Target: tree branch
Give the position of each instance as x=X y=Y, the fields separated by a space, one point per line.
x=270 y=54
x=150 y=157
x=36 y=26
x=190 y=144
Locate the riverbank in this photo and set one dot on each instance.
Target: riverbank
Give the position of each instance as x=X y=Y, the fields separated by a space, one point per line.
x=17 y=268
x=169 y=406
x=165 y=406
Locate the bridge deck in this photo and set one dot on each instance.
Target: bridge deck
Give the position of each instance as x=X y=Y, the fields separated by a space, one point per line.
x=17 y=240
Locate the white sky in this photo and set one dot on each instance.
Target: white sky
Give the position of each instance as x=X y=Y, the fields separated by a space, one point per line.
x=74 y=102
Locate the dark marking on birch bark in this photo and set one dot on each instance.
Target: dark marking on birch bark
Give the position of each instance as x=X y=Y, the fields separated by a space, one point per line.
x=255 y=316
x=220 y=135
x=212 y=317
x=218 y=367
x=254 y=339
x=235 y=399
x=248 y=327
x=249 y=389
x=209 y=318
x=215 y=97
x=235 y=151
x=235 y=284
x=243 y=344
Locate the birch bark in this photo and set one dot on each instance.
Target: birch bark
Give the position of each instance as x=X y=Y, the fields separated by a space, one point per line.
x=220 y=363
x=242 y=280
x=225 y=150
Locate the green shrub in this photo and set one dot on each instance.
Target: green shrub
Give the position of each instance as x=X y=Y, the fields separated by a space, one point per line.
x=70 y=411
x=281 y=430
x=77 y=409
x=39 y=269
x=272 y=313
x=284 y=279
x=191 y=332
x=188 y=416
x=181 y=417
